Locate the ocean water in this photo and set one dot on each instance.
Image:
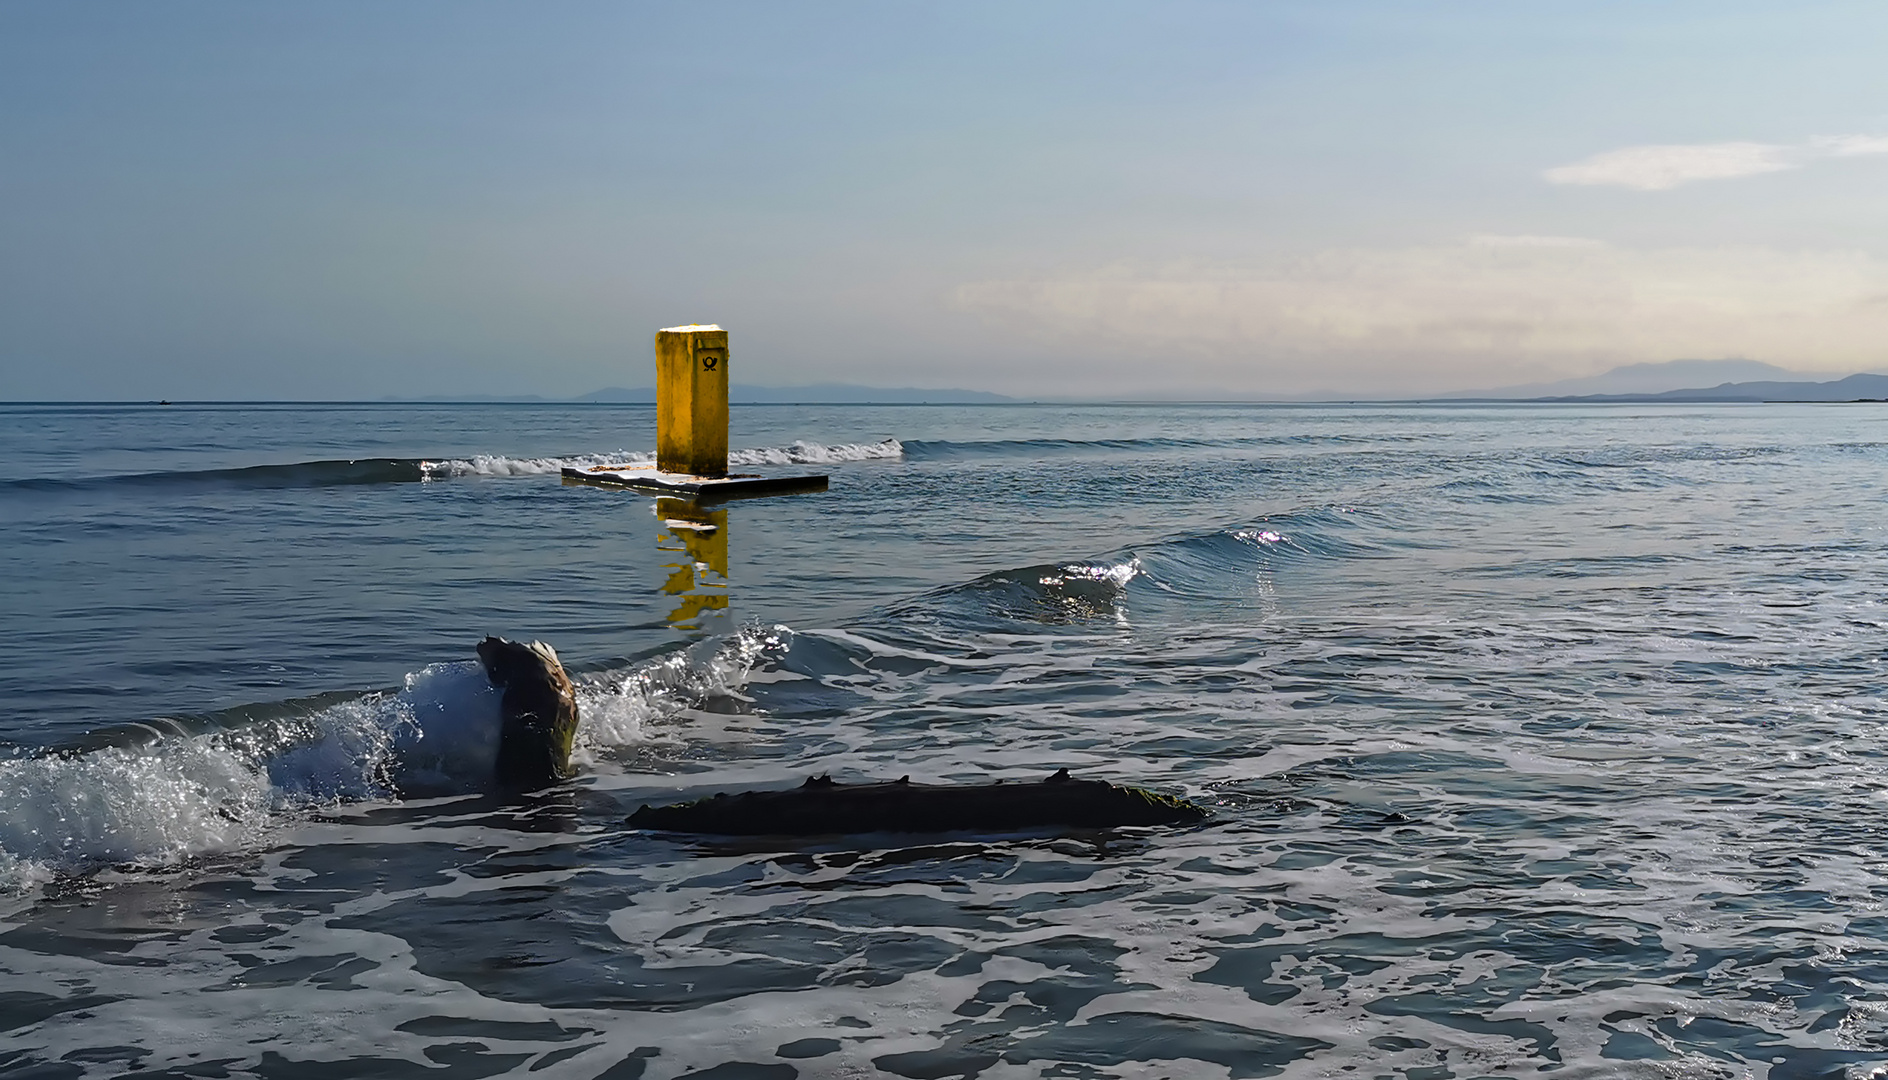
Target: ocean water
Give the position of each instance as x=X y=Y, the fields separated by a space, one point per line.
x=1538 y=740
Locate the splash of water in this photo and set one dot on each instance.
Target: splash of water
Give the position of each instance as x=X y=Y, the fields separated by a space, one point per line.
x=798 y=453
x=176 y=798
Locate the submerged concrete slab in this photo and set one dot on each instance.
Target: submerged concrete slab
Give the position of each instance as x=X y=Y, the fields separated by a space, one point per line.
x=652 y=481
x=821 y=807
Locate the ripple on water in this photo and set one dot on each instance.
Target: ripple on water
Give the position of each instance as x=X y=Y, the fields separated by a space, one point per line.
x=1521 y=762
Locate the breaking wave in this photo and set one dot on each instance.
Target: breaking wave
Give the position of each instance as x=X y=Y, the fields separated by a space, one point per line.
x=500 y=465
x=1197 y=566
x=799 y=453
x=806 y=453
x=357 y=471
x=177 y=797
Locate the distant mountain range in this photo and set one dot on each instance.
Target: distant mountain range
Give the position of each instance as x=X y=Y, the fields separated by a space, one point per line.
x=1673 y=381
x=1652 y=379
x=1863 y=387
x=1694 y=380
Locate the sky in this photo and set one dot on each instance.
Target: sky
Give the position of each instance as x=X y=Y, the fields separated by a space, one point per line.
x=346 y=200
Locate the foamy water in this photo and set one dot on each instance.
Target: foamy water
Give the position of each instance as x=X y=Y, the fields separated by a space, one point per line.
x=166 y=801
x=799 y=452
x=1539 y=741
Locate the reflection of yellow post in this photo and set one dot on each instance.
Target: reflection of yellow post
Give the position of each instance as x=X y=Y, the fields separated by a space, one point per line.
x=692 y=400
x=700 y=536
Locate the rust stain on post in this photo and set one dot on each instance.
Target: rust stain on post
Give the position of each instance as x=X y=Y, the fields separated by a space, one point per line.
x=692 y=400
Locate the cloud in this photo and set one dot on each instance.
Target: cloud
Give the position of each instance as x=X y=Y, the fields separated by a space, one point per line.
x=1850 y=145
x=1659 y=168
x=1420 y=317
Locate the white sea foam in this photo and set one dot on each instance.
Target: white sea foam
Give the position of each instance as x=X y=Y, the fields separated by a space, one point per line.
x=18 y=874
x=177 y=798
x=439 y=733
x=806 y=453
x=619 y=712
x=799 y=453
x=500 y=465
x=1115 y=574
x=154 y=804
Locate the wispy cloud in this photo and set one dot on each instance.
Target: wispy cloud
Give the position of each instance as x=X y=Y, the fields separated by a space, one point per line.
x=1659 y=168
x=1850 y=145
x=1476 y=310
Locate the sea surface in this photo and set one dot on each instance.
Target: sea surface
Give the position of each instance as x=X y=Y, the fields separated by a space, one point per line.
x=1538 y=740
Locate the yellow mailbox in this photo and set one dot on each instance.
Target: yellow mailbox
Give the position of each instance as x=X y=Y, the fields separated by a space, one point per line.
x=692 y=400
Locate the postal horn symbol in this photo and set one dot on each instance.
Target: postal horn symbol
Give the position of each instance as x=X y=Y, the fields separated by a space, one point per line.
x=708 y=362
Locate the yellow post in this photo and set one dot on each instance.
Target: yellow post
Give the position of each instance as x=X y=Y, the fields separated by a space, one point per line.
x=692 y=400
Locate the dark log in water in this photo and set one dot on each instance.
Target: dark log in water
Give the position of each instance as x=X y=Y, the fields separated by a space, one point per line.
x=540 y=712
x=821 y=807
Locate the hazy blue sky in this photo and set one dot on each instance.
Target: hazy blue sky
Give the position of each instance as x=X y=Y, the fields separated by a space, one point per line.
x=335 y=199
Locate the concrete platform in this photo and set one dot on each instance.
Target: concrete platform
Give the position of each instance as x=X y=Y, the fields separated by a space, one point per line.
x=650 y=481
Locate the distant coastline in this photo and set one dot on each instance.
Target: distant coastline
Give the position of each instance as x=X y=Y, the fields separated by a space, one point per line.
x=1673 y=382
x=1855 y=388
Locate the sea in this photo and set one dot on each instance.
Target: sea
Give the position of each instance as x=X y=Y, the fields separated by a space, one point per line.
x=1538 y=739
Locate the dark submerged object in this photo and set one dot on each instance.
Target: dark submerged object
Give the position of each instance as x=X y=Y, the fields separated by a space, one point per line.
x=822 y=807
x=539 y=708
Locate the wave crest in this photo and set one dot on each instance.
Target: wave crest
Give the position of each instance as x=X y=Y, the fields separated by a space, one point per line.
x=806 y=453
x=1051 y=593
x=798 y=453
x=178 y=797
x=500 y=465
x=618 y=713
x=1218 y=566
x=349 y=472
